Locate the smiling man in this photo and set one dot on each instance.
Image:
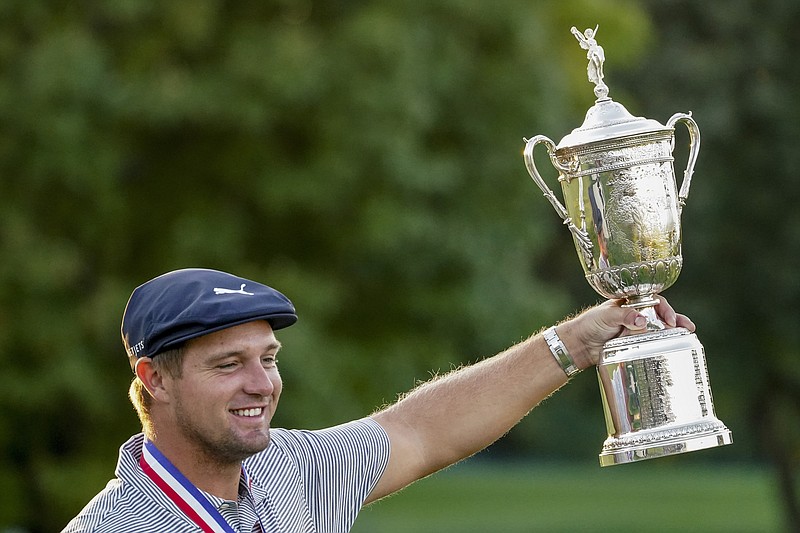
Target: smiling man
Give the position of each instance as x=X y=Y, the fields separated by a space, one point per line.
x=203 y=349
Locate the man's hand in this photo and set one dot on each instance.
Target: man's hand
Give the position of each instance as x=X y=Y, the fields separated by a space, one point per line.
x=585 y=335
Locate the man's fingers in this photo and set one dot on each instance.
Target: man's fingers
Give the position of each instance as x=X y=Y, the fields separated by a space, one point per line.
x=634 y=321
x=670 y=317
x=666 y=312
x=684 y=321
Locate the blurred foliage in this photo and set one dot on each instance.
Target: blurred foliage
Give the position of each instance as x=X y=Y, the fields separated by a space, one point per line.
x=364 y=158
x=733 y=64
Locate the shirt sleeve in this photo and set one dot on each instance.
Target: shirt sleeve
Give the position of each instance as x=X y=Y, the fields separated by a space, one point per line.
x=338 y=467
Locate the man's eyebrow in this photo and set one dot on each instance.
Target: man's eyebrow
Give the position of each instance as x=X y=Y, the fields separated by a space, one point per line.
x=274 y=346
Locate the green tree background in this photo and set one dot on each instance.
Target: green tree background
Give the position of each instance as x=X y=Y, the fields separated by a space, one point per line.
x=364 y=157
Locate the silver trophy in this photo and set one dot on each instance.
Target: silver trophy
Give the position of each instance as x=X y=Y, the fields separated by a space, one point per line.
x=623 y=208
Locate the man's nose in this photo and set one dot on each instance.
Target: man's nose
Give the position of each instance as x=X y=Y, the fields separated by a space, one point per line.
x=259 y=380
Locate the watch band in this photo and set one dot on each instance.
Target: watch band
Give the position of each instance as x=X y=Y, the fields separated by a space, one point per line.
x=560 y=352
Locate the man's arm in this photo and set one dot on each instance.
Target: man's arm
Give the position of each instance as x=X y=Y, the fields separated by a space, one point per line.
x=454 y=416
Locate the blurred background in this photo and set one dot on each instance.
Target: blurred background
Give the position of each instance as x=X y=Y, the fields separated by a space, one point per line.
x=365 y=158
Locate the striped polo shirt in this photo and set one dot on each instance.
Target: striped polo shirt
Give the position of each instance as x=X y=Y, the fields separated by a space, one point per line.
x=304 y=482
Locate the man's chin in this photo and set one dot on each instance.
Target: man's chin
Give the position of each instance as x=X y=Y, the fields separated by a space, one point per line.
x=254 y=444
x=236 y=450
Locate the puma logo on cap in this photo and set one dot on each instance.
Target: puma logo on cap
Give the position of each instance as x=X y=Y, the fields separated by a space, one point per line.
x=240 y=290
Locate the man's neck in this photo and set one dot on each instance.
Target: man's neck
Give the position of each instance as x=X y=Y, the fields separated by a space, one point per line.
x=213 y=477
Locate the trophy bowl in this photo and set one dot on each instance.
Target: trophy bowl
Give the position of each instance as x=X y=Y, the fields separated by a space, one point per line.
x=622 y=206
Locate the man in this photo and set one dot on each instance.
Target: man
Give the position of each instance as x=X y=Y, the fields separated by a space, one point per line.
x=203 y=349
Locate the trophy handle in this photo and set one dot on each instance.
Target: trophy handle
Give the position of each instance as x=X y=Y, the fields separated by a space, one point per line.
x=534 y=172
x=581 y=235
x=694 y=149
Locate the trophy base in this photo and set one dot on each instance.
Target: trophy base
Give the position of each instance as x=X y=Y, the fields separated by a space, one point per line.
x=663 y=443
x=656 y=397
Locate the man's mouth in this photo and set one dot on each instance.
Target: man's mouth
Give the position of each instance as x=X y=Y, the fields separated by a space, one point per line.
x=252 y=412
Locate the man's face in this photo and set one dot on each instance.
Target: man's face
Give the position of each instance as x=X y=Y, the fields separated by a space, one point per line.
x=225 y=400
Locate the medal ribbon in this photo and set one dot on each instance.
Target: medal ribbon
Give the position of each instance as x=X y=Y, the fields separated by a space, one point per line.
x=181 y=491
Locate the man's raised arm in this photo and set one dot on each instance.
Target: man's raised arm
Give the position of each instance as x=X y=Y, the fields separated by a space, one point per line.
x=454 y=416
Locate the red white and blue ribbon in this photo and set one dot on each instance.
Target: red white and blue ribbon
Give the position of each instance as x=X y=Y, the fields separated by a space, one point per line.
x=181 y=491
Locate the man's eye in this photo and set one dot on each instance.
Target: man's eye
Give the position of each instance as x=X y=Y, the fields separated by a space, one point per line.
x=226 y=366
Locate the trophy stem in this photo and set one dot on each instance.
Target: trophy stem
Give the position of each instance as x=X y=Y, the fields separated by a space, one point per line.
x=646 y=305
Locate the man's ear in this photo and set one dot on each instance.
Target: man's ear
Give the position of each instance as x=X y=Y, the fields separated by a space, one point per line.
x=152 y=379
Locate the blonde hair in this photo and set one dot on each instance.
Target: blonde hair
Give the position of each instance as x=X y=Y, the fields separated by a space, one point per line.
x=170 y=363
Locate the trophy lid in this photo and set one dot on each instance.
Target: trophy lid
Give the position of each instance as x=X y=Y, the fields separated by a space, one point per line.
x=606 y=119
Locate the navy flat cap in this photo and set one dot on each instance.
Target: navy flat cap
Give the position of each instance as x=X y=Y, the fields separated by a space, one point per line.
x=184 y=304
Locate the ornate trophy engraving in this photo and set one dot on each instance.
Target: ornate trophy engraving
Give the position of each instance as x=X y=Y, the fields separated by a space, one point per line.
x=623 y=208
